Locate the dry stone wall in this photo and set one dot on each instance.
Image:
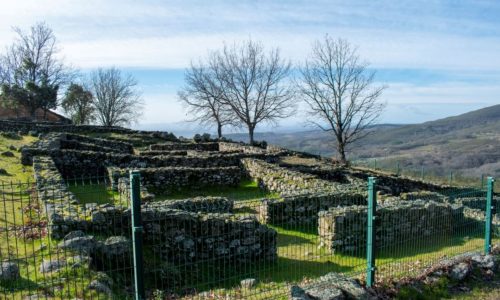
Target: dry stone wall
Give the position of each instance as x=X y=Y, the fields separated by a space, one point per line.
x=54 y=142
x=244 y=148
x=344 y=229
x=74 y=163
x=163 y=152
x=281 y=180
x=47 y=127
x=303 y=209
x=181 y=236
x=169 y=179
x=302 y=195
x=208 y=146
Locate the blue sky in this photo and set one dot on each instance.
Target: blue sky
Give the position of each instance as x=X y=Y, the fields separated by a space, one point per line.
x=438 y=58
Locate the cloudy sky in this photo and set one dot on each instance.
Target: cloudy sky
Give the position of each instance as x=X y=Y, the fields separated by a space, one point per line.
x=439 y=58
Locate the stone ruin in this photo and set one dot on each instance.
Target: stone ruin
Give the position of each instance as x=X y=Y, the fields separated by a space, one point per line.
x=182 y=232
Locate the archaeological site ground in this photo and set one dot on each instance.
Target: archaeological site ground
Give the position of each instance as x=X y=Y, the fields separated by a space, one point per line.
x=220 y=219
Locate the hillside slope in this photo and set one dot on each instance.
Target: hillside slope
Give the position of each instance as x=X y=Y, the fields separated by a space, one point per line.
x=467 y=143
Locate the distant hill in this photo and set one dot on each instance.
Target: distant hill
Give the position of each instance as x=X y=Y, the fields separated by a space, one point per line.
x=467 y=143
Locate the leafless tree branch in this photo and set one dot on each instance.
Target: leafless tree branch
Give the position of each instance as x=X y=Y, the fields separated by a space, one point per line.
x=340 y=92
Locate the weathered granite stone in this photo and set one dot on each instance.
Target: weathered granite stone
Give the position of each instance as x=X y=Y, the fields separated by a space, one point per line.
x=74 y=234
x=248 y=283
x=100 y=287
x=330 y=286
x=483 y=261
x=82 y=244
x=9 y=271
x=460 y=271
x=7 y=154
x=51 y=265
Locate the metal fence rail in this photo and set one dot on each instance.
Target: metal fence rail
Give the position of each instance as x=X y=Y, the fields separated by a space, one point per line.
x=82 y=239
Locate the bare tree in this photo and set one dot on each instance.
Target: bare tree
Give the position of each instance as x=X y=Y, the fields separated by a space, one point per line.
x=202 y=96
x=117 y=101
x=32 y=63
x=254 y=84
x=340 y=92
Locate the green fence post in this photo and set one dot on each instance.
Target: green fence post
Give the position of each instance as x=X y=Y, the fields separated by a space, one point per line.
x=135 y=198
x=490 y=207
x=370 y=237
x=451 y=177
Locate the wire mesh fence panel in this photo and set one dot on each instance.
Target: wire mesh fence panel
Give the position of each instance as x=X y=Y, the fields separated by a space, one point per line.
x=72 y=238
x=213 y=247
x=63 y=240
x=428 y=229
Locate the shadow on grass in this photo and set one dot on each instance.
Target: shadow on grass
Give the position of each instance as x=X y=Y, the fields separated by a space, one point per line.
x=426 y=245
x=20 y=284
x=246 y=190
x=92 y=193
x=285 y=239
x=282 y=271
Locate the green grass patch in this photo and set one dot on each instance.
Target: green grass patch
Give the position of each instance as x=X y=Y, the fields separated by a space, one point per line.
x=93 y=193
x=16 y=172
x=247 y=190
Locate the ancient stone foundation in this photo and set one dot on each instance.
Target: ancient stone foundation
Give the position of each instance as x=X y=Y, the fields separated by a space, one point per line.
x=209 y=146
x=344 y=229
x=304 y=209
x=176 y=178
x=183 y=236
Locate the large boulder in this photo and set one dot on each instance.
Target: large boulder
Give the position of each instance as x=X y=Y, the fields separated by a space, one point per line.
x=49 y=265
x=460 y=271
x=332 y=286
x=9 y=271
x=101 y=284
x=81 y=244
x=114 y=252
x=483 y=261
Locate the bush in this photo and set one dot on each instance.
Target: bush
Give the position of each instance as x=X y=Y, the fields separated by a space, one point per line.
x=11 y=135
x=260 y=144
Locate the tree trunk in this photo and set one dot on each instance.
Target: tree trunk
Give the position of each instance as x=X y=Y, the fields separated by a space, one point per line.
x=33 y=113
x=219 y=130
x=341 y=150
x=250 y=134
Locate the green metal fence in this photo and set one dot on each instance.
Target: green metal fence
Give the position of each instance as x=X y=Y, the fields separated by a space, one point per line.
x=84 y=239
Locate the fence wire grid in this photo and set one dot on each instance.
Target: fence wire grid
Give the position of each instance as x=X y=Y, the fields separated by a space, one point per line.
x=74 y=239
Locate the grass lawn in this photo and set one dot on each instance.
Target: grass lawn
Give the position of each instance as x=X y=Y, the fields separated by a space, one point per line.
x=300 y=260
x=15 y=171
x=99 y=193
x=247 y=190
x=23 y=238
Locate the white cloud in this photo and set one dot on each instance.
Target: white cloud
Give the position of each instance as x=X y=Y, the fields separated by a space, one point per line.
x=454 y=38
x=168 y=34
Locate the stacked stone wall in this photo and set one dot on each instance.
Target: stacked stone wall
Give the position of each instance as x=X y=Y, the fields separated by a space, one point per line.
x=303 y=209
x=163 y=152
x=286 y=182
x=187 y=236
x=344 y=229
x=224 y=146
x=47 y=127
x=74 y=163
x=208 y=146
x=170 y=179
